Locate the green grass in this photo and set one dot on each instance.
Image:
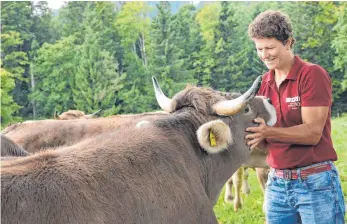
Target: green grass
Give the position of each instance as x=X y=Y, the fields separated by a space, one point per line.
x=251 y=213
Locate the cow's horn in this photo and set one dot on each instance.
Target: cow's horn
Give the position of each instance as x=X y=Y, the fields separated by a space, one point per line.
x=230 y=107
x=95 y=114
x=165 y=103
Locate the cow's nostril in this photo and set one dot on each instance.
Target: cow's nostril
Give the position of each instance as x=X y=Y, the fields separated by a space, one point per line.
x=269 y=100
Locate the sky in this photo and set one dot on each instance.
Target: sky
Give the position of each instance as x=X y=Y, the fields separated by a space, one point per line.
x=55 y=4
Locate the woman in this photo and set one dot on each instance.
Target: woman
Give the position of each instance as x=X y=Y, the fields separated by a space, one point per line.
x=303 y=184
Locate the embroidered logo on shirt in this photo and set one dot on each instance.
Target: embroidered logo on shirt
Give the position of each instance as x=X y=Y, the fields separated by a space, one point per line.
x=293 y=102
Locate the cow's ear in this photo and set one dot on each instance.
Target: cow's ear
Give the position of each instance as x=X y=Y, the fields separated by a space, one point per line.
x=214 y=136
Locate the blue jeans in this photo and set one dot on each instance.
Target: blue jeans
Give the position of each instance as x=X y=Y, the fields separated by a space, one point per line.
x=318 y=199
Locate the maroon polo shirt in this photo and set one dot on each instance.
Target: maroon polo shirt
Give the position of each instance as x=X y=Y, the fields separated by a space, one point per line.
x=307 y=85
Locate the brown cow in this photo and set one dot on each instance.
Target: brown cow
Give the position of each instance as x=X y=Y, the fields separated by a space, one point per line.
x=10 y=148
x=75 y=114
x=58 y=139
x=37 y=135
x=159 y=173
x=28 y=138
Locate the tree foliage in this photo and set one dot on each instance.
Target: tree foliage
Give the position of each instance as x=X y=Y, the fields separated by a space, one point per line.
x=97 y=81
x=28 y=25
x=133 y=25
x=102 y=55
x=8 y=106
x=167 y=61
x=340 y=60
x=55 y=68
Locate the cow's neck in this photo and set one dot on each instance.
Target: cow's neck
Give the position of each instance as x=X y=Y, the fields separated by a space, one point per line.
x=225 y=164
x=215 y=169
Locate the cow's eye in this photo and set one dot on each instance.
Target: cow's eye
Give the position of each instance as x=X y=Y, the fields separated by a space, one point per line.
x=247 y=109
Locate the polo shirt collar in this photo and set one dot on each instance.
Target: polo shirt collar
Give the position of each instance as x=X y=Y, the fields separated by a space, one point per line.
x=293 y=73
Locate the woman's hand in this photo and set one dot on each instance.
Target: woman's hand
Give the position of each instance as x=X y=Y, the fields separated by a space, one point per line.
x=258 y=136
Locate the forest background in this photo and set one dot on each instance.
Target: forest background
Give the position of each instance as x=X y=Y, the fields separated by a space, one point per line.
x=101 y=55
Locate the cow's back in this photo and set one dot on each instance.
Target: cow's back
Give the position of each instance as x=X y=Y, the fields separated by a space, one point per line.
x=38 y=135
x=142 y=181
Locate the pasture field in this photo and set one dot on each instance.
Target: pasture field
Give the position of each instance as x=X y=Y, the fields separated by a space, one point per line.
x=252 y=213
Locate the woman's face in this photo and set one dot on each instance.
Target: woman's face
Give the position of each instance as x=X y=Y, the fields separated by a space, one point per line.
x=272 y=52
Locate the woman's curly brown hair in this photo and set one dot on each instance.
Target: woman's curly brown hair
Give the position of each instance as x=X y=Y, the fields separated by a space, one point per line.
x=272 y=24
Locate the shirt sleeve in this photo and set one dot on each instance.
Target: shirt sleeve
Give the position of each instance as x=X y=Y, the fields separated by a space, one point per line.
x=316 y=88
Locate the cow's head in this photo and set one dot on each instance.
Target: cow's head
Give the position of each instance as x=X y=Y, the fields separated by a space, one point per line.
x=227 y=115
x=10 y=148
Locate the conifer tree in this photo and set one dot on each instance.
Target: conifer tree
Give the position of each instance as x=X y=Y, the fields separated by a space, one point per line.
x=188 y=38
x=133 y=24
x=55 y=68
x=227 y=53
x=236 y=61
x=166 y=62
x=97 y=81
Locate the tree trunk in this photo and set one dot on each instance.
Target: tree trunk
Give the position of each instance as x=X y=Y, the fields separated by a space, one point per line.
x=32 y=90
x=143 y=49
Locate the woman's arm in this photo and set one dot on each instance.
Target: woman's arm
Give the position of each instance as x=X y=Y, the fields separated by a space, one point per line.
x=308 y=133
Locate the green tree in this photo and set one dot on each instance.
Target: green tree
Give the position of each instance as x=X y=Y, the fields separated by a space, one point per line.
x=29 y=24
x=54 y=68
x=42 y=33
x=248 y=65
x=109 y=38
x=207 y=20
x=97 y=81
x=313 y=27
x=166 y=62
x=69 y=20
x=199 y=57
x=8 y=106
x=340 y=60
x=13 y=58
x=230 y=54
x=188 y=38
x=16 y=41
x=133 y=25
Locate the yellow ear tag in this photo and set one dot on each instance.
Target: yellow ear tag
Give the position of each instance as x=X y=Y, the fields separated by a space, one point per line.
x=212 y=139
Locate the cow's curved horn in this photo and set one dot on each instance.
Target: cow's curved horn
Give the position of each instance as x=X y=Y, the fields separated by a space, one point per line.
x=230 y=107
x=95 y=114
x=165 y=103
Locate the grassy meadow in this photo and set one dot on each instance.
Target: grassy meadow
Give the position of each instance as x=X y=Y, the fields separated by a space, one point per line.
x=251 y=213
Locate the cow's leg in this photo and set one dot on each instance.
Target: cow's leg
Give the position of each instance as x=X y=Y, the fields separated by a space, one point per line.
x=228 y=196
x=245 y=184
x=262 y=177
x=262 y=174
x=237 y=180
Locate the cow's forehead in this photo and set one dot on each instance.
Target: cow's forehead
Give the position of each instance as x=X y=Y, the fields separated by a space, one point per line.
x=200 y=98
x=258 y=99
